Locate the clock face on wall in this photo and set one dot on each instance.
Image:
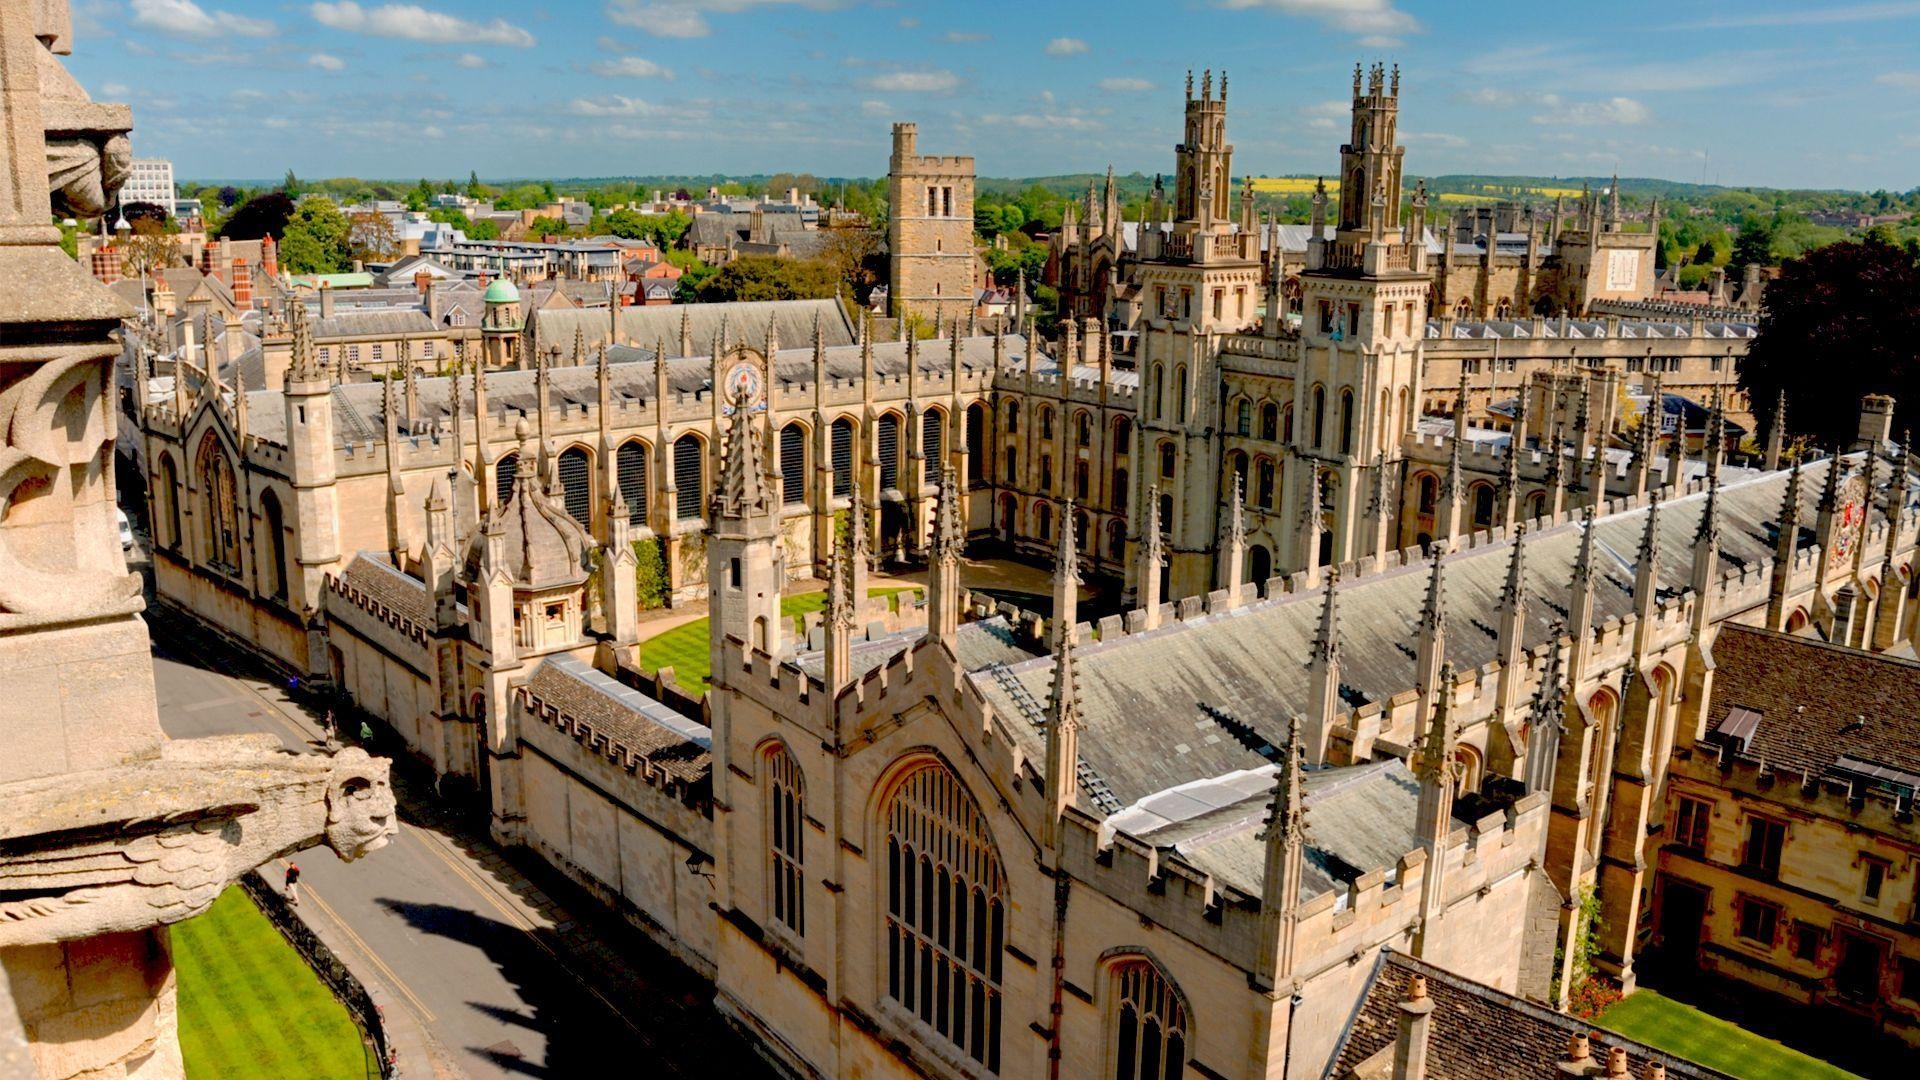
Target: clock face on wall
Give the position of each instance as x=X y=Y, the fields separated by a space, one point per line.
x=743 y=385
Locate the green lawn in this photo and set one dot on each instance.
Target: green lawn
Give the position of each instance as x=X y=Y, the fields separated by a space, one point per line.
x=684 y=648
x=1684 y=1030
x=250 y=1007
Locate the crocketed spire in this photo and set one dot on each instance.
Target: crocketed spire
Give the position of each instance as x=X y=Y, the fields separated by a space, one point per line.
x=742 y=491
x=306 y=364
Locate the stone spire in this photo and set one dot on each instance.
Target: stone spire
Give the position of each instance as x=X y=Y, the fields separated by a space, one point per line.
x=1311 y=526
x=1777 y=432
x=1432 y=628
x=1546 y=719
x=1285 y=868
x=943 y=571
x=1716 y=446
x=1433 y=765
x=1706 y=556
x=838 y=663
x=1786 y=547
x=1063 y=702
x=1646 y=569
x=1233 y=554
x=1513 y=595
x=742 y=489
x=1147 y=573
x=1453 y=486
x=859 y=537
x=1323 y=666
x=1066 y=578
x=305 y=366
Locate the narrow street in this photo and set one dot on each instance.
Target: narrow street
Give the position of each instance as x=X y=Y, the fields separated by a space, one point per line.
x=510 y=970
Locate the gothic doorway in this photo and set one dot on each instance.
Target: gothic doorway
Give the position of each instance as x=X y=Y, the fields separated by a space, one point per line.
x=1259 y=564
x=1683 y=912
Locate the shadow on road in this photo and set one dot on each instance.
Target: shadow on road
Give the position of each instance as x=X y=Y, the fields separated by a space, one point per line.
x=673 y=1034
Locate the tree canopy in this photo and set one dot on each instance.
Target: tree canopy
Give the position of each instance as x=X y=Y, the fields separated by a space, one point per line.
x=262 y=215
x=768 y=277
x=1839 y=323
x=318 y=240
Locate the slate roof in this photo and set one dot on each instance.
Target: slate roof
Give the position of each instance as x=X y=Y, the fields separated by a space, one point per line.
x=744 y=319
x=1512 y=329
x=1477 y=1032
x=359 y=415
x=1153 y=702
x=676 y=744
x=371 y=573
x=372 y=322
x=1811 y=696
x=1359 y=818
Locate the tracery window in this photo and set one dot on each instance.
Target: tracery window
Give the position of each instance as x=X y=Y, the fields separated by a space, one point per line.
x=689 y=476
x=576 y=484
x=946 y=912
x=631 y=465
x=793 y=463
x=1149 y=1024
x=218 y=506
x=842 y=452
x=933 y=443
x=786 y=851
x=889 y=451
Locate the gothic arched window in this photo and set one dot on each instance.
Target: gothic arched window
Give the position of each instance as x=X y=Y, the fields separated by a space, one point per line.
x=1149 y=1024
x=630 y=467
x=841 y=449
x=218 y=510
x=1269 y=421
x=1483 y=505
x=977 y=449
x=946 y=920
x=1046 y=422
x=504 y=472
x=1119 y=499
x=1013 y=418
x=1122 y=435
x=1083 y=428
x=1319 y=415
x=786 y=845
x=933 y=444
x=576 y=484
x=888 y=437
x=1263 y=484
x=793 y=463
x=1167 y=460
x=1180 y=391
x=1346 y=421
x=167 y=505
x=273 y=560
x=1243 y=417
x=689 y=476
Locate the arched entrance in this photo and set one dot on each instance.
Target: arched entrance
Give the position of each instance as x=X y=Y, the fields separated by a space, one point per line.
x=1259 y=564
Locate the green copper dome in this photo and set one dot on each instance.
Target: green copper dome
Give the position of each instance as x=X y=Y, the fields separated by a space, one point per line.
x=502 y=292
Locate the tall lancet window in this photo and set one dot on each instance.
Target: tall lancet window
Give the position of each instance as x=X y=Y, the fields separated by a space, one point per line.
x=786 y=850
x=946 y=912
x=1149 y=1024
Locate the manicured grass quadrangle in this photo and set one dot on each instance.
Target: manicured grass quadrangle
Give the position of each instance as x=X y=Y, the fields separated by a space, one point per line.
x=1718 y=1044
x=684 y=648
x=251 y=1009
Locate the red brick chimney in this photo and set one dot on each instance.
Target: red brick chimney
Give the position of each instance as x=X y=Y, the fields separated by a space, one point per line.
x=422 y=281
x=269 y=256
x=106 y=264
x=206 y=259
x=241 y=281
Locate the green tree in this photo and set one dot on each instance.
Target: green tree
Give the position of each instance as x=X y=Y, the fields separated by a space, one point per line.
x=318 y=239
x=290 y=187
x=1839 y=323
x=266 y=214
x=768 y=277
x=420 y=196
x=546 y=226
x=650 y=574
x=482 y=229
x=475 y=189
x=1755 y=242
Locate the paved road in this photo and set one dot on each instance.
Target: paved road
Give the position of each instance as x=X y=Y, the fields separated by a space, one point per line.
x=511 y=972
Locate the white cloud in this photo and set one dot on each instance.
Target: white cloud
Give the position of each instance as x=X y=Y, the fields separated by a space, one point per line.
x=1380 y=23
x=915 y=82
x=412 y=22
x=471 y=61
x=188 y=19
x=1125 y=86
x=1489 y=96
x=875 y=108
x=631 y=67
x=965 y=37
x=1847 y=13
x=661 y=20
x=1040 y=121
x=1067 y=46
x=115 y=91
x=1603 y=113
x=1904 y=80
x=1327 y=115
x=611 y=105
x=1431 y=138
x=326 y=62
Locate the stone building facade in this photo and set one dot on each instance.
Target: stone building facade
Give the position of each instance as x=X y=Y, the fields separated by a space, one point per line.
x=930 y=253
x=918 y=864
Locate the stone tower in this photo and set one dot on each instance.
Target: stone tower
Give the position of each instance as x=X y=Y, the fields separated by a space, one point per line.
x=1200 y=280
x=930 y=233
x=500 y=325
x=1363 y=318
x=743 y=571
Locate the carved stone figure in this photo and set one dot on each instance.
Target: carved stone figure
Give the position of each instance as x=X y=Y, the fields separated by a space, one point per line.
x=88 y=155
x=130 y=847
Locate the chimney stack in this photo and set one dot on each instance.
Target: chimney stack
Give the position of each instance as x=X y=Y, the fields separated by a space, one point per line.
x=422 y=282
x=241 y=283
x=1410 y=1050
x=269 y=256
x=326 y=300
x=106 y=263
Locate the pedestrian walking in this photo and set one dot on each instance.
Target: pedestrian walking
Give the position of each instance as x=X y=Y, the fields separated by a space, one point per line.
x=293 y=884
x=366 y=733
x=331 y=731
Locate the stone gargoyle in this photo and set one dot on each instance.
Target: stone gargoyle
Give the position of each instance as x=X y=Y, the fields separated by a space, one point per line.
x=126 y=847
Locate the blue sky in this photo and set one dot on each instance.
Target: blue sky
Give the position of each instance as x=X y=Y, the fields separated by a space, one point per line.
x=1760 y=92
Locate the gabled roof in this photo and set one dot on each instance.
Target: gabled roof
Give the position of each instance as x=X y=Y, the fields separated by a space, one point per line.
x=1817 y=702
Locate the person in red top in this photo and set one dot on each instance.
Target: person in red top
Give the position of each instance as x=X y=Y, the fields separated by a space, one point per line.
x=293 y=884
